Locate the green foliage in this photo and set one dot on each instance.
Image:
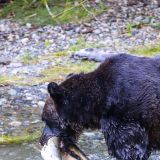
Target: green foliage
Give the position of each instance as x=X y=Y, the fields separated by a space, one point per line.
x=47 y=43
x=44 y=12
x=149 y=50
x=59 y=71
x=25 y=59
x=7 y=139
x=130 y=27
x=4 y=80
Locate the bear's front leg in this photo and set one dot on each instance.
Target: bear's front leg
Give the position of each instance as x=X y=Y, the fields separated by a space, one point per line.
x=125 y=140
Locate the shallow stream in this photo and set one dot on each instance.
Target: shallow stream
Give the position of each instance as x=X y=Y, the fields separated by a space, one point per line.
x=91 y=143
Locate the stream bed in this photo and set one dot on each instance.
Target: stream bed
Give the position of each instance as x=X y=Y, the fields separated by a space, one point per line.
x=92 y=143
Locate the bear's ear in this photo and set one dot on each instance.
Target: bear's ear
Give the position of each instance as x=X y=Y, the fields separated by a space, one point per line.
x=55 y=91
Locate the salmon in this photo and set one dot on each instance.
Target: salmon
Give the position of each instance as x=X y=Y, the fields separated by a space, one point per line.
x=51 y=151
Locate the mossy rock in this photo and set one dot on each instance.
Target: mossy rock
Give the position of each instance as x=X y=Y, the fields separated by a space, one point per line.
x=8 y=139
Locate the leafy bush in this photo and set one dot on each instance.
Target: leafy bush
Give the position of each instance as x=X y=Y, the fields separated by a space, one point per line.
x=44 y=12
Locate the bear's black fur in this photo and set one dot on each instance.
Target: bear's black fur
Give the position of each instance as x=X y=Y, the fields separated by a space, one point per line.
x=121 y=97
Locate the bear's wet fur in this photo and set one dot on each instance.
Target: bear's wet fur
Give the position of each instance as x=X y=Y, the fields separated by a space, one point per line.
x=121 y=97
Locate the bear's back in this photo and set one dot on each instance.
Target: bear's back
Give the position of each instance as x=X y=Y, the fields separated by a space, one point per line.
x=136 y=84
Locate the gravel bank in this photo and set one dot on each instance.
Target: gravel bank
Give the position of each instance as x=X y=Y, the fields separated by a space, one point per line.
x=121 y=28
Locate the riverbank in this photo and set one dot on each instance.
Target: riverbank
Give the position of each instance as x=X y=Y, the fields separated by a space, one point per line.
x=31 y=56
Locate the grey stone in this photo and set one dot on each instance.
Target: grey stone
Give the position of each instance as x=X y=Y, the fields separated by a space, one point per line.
x=41 y=104
x=28 y=25
x=25 y=40
x=2 y=47
x=87 y=30
x=77 y=29
x=5 y=61
x=146 y=20
x=10 y=37
x=15 y=123
x=97 y=1
x=12 y=92
x=70 y=32
x=15 y=64
x=97 y=31
x=93 y=54
x=73 y=41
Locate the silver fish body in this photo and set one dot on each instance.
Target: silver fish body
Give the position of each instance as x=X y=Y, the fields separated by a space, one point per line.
x=51 y=151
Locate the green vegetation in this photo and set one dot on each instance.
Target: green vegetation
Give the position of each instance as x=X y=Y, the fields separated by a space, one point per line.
x=6 y=139
x=47 y=43
x=149 y=50
x=59 y=71
x=25 y=59
x=4 y=80
x=130 y=27
x=52 y=12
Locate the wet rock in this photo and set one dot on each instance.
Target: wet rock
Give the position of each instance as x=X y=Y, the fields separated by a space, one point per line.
x=97 y=31
x=2 y=101
x=97 y=1
x=86 y=30
x=77 y=29
x=15 y=64
x=12 y=92
x=15 y=123
x=25 y=40
x=70 y=32
x=10 y=37
x=35 y=122
x=28 y=25
x=41 y=104
x=29 y=98
x=132 y=2
x=93 y=54
x=2 y=28
x=2 y=47
x=4 y=61
x=68 y=27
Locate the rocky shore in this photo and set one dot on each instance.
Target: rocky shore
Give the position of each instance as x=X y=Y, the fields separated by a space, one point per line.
x=27 y=51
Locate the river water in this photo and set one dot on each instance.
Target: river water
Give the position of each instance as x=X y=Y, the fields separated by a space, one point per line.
x=92 y=143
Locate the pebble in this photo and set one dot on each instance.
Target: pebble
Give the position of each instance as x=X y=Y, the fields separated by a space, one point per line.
x=97 y=31
x=12 y=92
x=4 y=61
x=15 y=123
x=15 y=65
x=97 y=1
x=77 y=29
x=29 y=98
x=28 y=25
x=2 y=101
x=25 y=40
x=41 y=104
x=87 y=30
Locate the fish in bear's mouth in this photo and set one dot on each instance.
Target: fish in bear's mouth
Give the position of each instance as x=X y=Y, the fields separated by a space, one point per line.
x=53 y=150
x=56 y=138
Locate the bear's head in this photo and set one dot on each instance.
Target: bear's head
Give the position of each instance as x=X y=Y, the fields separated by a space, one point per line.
x=75 y=103
x=60 y=98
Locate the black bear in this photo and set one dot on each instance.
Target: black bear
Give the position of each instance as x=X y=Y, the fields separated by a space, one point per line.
x=121 y=97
